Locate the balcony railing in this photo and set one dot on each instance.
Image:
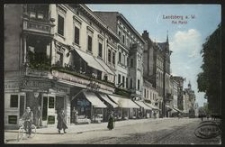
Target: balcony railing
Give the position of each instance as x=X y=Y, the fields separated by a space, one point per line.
x=35 y=26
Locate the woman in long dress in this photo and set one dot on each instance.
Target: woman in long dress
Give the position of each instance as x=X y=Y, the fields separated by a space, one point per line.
x=110 y=121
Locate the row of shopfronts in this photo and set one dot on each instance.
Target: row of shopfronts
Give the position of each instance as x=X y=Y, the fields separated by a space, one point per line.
x=68 y=92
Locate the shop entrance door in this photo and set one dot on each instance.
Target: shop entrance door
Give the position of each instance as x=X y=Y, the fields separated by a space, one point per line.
x=48 y=113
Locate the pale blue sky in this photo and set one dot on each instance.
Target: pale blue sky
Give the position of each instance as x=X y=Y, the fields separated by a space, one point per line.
x=185 y=39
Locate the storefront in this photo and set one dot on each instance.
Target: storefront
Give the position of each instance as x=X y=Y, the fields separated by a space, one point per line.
x=89 y=106
x=155 y=110
x=144 y=109
x=111 y=106
x=36 y=92
x=128 y=109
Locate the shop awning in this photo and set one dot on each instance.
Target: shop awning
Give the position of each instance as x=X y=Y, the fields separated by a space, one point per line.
x=178 y=110
x=169 y=108
x=95 y=101
x=102 y=63
x=143 y=105
x=152 y=106
x=124 y=102
x=105 y=97
x=90 y=60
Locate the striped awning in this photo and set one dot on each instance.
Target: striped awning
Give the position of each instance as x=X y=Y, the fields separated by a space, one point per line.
x=123 y=102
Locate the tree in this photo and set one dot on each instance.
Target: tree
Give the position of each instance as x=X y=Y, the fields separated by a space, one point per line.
x=209 y=80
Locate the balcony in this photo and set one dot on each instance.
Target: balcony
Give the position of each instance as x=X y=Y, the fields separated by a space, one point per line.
x=38 y=27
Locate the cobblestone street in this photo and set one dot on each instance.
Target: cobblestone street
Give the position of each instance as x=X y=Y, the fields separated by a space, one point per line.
x=167 y=131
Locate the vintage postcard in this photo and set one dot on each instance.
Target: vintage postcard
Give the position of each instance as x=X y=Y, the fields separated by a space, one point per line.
x=112 y=73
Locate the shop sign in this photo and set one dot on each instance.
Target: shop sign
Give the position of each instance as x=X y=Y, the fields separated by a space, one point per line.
x=65 y=76
x=36 y=84
x=11 y=85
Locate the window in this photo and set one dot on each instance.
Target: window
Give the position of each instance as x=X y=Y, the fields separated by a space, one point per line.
x=60 y=25
x=123 y=39
x=118 y=78
x=113 y=57
x=51 y=103
x=119 y=57
x=59 y=59
x=12 y=119
x=77 y=35
x=138 y=84
x=145 y=93
x=123 y=81
x=14 y=101
x=109 y=55
x=89 y=43
x=131 y=62
x=100 y=49
x=119 y=33
x=131 y=84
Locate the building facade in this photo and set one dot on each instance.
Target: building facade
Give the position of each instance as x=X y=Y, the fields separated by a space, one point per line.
x=56 y=51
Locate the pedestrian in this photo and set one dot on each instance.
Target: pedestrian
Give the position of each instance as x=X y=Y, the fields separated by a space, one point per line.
x=61 y=121
x=74 y=115
x=38 y=117
x=28 y=117
x=110 y=121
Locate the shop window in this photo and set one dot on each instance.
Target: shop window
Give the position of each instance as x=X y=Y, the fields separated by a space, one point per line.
x=100 y=49
x=51 y=102
x=60 y=25
x=12 y=119
x=51 y=119
x=77 y=35
x=14 y=101
x=89 y=43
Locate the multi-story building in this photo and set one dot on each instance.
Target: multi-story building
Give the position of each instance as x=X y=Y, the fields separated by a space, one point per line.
x=151 y=99
x=52 y=52
x=157 y=67
x=129 y=75
x=130 y=52
x=180 y=81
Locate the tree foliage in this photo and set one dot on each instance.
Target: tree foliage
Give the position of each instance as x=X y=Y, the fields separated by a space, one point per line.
x=209 y=81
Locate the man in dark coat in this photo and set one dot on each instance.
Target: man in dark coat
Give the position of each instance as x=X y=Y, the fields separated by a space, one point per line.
x=61 y=121
x=110 y=121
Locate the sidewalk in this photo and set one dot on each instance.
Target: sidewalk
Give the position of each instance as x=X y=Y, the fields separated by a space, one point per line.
x=10 y=135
